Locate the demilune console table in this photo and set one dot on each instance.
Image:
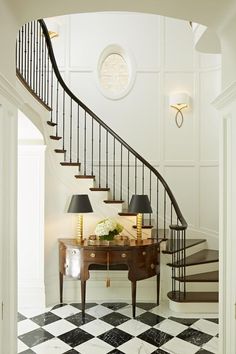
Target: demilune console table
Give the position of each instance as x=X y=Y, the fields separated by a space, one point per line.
x=141 y=258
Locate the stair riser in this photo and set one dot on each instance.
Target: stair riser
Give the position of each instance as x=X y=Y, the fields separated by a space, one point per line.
x=194 y=307
x=200 y=286
x=189 y=251
x=199 y=268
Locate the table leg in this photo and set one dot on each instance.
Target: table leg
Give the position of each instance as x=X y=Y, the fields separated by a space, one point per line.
x=158 y=289
x=133 y=297
x=83 y=295
x=61 y=286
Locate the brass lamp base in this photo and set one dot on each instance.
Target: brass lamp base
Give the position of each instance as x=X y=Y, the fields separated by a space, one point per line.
x=139 y=226
x=79 y=236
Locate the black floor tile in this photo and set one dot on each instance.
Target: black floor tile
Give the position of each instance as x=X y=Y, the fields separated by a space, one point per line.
x=184 y=321
x=204 y=351
x=155 y=337
x=215 y=320
x=45 y=319
x=115 y=318
x=58 y=306
x=114 y=306
x=79 y=320
x=195 y=337
x=28 y=351
x=150 y=318
x=72 y=351
x=20 y=317
x=146 y=305
x=87 y=305
x=116 y=351
x=159 y=351
x=75 y=337
x=35 y=337
x=115 y=337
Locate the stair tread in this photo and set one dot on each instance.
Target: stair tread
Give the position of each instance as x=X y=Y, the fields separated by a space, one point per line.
x=70 y=163
x=201 y=257
x=143 y=226
x=101 y=189
x=127 y=213
x=54 y=137
x=201 y=277
x=60 y=151
x=171 y=247
x=190 y=296
x=52 y=124
x=85 y=176
x=113 y=201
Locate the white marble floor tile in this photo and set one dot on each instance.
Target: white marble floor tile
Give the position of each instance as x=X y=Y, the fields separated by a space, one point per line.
x=206 y=327
x=65 y=311
x=212 y=345
x=170 y=327
x=136 y=345
x=94 y=346
x=96 y=327
x=127 y=311
x=29 y=312
x=59 y=327
x=21 y=346
x=133 y=327
x=52 y=346
x=98 y=311
x=179 y=346
x=26 y=326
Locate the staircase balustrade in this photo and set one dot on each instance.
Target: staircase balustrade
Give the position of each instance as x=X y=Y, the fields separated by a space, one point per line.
x=90 y=144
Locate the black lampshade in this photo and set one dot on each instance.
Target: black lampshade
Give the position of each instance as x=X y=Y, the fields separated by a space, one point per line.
x=140 y=204
x=80 y=204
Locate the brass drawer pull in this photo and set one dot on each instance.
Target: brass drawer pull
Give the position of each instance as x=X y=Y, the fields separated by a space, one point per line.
x=144 y=253
x=92 y=255
x=123 y=255
x=152 y=266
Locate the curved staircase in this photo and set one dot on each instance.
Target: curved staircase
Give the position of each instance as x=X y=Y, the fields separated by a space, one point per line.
x=86 y=143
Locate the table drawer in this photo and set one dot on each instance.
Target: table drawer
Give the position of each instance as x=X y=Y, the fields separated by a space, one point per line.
x=95 y=256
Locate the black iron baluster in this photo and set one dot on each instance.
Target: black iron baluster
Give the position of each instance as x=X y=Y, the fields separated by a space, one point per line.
x=31 y=54
x=150 y=194
x=22 y=50
x=135 y=175
x=143 y=179
x=171 y=213
x=114 y=168
x=34 y=55
x=92 y=142
x=19 y=51
x=85 y=141
x=42 y=67
x=184 y=261
x=78 y=135
x=45 y=72
x=164 y=213
x=107 y=158
x=25 y=50
x=157 y=208
x=63 y=122
x=121 y=170
x=128 y=177
x=99 y=157
x=52 y=93
x=40 y=59
x=37 y=58
x=71 y=130
x=28 y=53
x=57 y=120
x=48 y=78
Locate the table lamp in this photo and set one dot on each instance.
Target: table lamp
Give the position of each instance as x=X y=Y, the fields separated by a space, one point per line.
x=80 y=204
x=139 y=204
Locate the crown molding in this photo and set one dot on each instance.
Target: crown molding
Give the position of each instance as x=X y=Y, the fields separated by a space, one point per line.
x=226 y=97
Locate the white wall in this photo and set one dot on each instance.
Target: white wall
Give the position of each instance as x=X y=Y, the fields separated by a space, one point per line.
x=31 y=150
x=164 y=62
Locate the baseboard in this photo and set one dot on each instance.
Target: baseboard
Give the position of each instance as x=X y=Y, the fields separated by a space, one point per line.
x=31 y=296
x=96 y=290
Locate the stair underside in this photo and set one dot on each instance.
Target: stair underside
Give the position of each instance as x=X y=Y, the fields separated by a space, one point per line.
x=172 y=246
x=113 y=201
x=201 y=257
x=70 y=163
x=127 y=213
x=52 y=124
x=101 y=189
x=197 y=296
x=200 y=278
x=60 y=151
x=144 y=226
x=85 y=176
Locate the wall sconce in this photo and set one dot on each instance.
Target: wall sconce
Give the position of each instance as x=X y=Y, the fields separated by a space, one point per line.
x=53 y=27
x=179 y=101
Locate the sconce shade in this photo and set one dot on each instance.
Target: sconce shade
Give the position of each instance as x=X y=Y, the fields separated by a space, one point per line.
x=80 y=203
x=179 y=100
x=140 y=204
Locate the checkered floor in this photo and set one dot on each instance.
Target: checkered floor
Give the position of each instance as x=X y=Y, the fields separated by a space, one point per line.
x=110 y=328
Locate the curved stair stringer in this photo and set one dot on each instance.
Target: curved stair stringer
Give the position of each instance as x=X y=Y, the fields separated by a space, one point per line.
x=70 y=122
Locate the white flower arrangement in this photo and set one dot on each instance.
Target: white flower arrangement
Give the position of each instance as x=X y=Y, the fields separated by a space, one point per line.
x=106 y=229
